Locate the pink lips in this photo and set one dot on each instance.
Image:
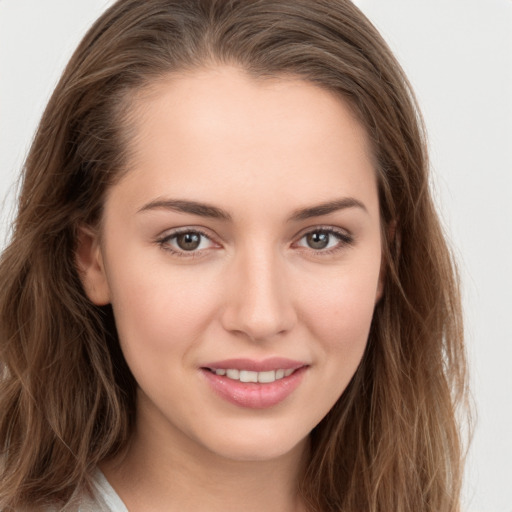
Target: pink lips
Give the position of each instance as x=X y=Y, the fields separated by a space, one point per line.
x=254 y=395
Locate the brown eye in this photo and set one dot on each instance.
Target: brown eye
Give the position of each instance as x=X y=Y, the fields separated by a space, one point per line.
x=188 y=241
x=318 y=239
x=325 y=240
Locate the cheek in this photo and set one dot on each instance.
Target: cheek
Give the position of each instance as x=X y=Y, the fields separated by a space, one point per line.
x=343 y=324
x=338 y=318
x=158 y=310
x=340 y=312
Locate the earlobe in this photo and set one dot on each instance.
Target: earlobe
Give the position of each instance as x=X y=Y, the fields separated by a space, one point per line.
x=90 y=266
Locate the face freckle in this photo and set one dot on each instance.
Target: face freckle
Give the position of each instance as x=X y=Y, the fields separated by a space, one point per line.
x=246 y=234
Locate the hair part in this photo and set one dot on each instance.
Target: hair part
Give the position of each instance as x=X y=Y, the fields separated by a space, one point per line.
x=67 y=397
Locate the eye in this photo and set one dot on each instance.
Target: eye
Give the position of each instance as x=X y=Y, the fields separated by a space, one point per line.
x=186 y=241
x=324 y=240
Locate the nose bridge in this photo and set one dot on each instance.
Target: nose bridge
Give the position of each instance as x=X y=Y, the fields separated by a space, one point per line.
x=258 y=303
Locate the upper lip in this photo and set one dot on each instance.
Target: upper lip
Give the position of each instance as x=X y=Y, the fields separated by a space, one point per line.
x=265 y=365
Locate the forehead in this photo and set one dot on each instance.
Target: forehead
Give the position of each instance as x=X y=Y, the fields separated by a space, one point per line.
x=219 y=130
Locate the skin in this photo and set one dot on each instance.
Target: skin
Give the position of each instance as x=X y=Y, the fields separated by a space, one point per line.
x=260 y=150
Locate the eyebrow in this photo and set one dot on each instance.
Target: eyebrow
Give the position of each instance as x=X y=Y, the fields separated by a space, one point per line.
x=210 y=211
x=326 y=208
x=184 y=206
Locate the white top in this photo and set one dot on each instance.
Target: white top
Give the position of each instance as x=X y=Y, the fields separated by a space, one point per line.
x=105 y=498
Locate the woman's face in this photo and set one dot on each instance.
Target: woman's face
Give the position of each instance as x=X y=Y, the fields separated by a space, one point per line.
x=243 y=245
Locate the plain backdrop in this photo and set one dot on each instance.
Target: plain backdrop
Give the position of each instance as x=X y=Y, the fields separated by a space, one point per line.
x=458 y=55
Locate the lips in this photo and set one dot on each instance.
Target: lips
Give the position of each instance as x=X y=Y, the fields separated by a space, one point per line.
x=254 y=384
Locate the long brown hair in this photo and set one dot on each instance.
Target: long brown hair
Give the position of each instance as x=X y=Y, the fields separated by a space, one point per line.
x=67 y=398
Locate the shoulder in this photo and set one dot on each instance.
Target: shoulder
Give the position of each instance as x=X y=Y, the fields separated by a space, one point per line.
x=105 y=499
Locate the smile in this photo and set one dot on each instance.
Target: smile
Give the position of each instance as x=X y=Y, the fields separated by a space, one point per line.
x=251 y=376
x=255 y=384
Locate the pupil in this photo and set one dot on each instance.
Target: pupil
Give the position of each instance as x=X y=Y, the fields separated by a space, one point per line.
x=188 y=241
x=318 y=240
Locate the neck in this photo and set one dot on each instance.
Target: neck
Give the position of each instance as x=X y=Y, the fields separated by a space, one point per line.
x=170 y=471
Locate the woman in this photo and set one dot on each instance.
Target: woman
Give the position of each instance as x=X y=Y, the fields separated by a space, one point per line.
x=227 y=287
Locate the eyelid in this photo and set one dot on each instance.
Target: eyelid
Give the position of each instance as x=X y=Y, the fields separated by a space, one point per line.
x=345 y=238
x=163 y=241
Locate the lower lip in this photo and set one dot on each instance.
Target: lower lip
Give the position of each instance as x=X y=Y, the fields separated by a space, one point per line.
x=254 y=395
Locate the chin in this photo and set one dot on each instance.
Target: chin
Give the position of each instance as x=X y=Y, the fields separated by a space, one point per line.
x=252 y=445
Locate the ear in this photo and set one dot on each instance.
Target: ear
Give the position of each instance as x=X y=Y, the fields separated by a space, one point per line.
x=89 y=262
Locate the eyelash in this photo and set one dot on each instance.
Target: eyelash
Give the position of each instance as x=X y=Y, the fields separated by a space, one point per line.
x=344 y=240
x=164 y=242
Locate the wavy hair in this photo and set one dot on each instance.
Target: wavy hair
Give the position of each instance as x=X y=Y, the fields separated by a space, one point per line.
x=67 y=397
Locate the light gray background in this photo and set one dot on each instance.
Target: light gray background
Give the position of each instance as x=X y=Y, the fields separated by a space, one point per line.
x=458 y=55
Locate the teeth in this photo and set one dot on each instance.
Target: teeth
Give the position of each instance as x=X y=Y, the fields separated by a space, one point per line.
x=250 y=376
x=247 y=376
x=233 y=374
x=266 y=376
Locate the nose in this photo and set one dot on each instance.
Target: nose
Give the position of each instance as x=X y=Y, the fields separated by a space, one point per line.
x=258 y=300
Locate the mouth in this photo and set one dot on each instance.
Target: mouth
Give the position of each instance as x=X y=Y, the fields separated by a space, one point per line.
x=252 y=376
x=254 y=384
